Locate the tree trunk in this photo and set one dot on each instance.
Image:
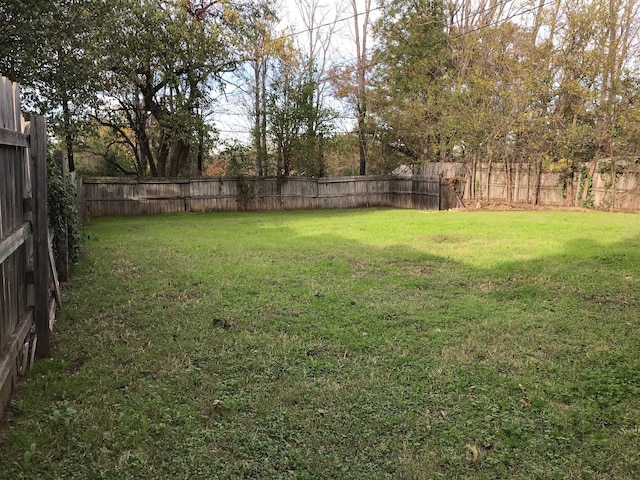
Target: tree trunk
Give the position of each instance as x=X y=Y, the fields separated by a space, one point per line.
x=591 y=173
x=613 y=183
x=162 y=158
x=179 y=158
x=507 y=180
x=68 y=135
x=146 y=157
x=361 y=60
x=538 y=182
x=489 y=177
x=362 y=143
x=257 y=134
x=263 y=125
x=200 y=158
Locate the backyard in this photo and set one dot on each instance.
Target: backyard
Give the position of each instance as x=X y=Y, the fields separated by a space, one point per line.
x=355 y=344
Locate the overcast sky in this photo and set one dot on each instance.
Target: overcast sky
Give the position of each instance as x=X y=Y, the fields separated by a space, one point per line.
x=231 y=117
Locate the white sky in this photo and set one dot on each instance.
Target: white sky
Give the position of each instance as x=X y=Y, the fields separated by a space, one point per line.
x=230 y=116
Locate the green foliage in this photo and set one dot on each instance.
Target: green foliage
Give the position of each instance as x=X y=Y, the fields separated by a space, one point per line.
x=606 y=168
x=586 y=182
x=412 y=59
x=300 y=126
x=62 y=418
x=63 y=209
x=28 y=456
x=455 y=81
x=239 y=159
x=162 y=63
x=562 y=166
x=246 y=192
x=49 y=48
x=449 y=81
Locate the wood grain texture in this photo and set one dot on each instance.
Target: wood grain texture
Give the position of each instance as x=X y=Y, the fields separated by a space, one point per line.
x=111 y=196
x=16 y=297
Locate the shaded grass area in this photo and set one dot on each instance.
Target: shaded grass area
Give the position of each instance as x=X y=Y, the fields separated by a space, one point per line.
x=351 y=344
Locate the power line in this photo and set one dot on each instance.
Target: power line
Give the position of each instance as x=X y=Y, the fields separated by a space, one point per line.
x=480 y=12
x=371 y=64
x=518 y=13
x=506 y=19
x=322 y=25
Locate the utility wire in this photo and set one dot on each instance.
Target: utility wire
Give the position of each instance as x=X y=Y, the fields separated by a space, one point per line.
x=371 y=64
x=506 y=19
x=322 y=25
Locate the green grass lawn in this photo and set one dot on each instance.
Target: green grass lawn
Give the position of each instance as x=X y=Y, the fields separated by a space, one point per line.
x=359 y=344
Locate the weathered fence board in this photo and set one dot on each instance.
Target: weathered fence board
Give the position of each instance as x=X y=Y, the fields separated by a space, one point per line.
x=523 y=184
x=426 y=195
x=13 y=241
x=18 y=231
x=448 y=186
x=11 y=138
x=110 y=196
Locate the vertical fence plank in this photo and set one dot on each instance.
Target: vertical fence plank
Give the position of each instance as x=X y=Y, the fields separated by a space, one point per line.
x=16 y=299
x=40 y=234
x=114 y=196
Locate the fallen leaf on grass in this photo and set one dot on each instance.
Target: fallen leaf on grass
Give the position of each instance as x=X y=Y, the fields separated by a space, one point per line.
x=526 y=400
x=443 y=413
x=475 y=453
x=107 y=436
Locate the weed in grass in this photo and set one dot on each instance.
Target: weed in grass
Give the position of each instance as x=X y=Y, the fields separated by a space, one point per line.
x=28 y=456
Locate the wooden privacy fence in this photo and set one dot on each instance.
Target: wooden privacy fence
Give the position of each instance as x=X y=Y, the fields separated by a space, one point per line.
x=605 y=184
x=119 y=196
x=593 y=185
x=24 y=245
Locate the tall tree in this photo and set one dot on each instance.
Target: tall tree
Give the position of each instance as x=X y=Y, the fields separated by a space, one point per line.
x=362 y=64
x=298 y=127
x=262 y=44
x=411 y=58
x=49 y=48
x=161 y=60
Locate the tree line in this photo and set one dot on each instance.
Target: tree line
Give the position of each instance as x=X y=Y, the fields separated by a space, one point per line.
x=554 y=83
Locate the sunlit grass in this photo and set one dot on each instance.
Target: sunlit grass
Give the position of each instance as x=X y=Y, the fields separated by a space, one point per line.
x=347 y=344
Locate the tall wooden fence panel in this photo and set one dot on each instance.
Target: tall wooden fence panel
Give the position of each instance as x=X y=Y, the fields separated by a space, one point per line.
x=23 y=241
x=598 y=185
x=117 y=196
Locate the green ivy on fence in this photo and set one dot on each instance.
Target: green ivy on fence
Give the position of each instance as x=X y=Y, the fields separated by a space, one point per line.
x=63 y=209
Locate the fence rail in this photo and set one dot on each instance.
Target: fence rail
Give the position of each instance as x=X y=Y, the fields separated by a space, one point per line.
x=24 y=258
x=606 y=184
x=116 y=196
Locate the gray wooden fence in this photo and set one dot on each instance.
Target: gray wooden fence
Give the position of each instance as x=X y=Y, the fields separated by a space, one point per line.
x=118 y=196
x=592 y=185
x=24 y=246
x=606 y=184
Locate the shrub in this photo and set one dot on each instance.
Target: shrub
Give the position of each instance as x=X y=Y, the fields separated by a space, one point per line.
x=63 y=209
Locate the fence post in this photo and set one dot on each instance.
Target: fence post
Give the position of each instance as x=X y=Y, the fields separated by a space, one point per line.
x=38 y=154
